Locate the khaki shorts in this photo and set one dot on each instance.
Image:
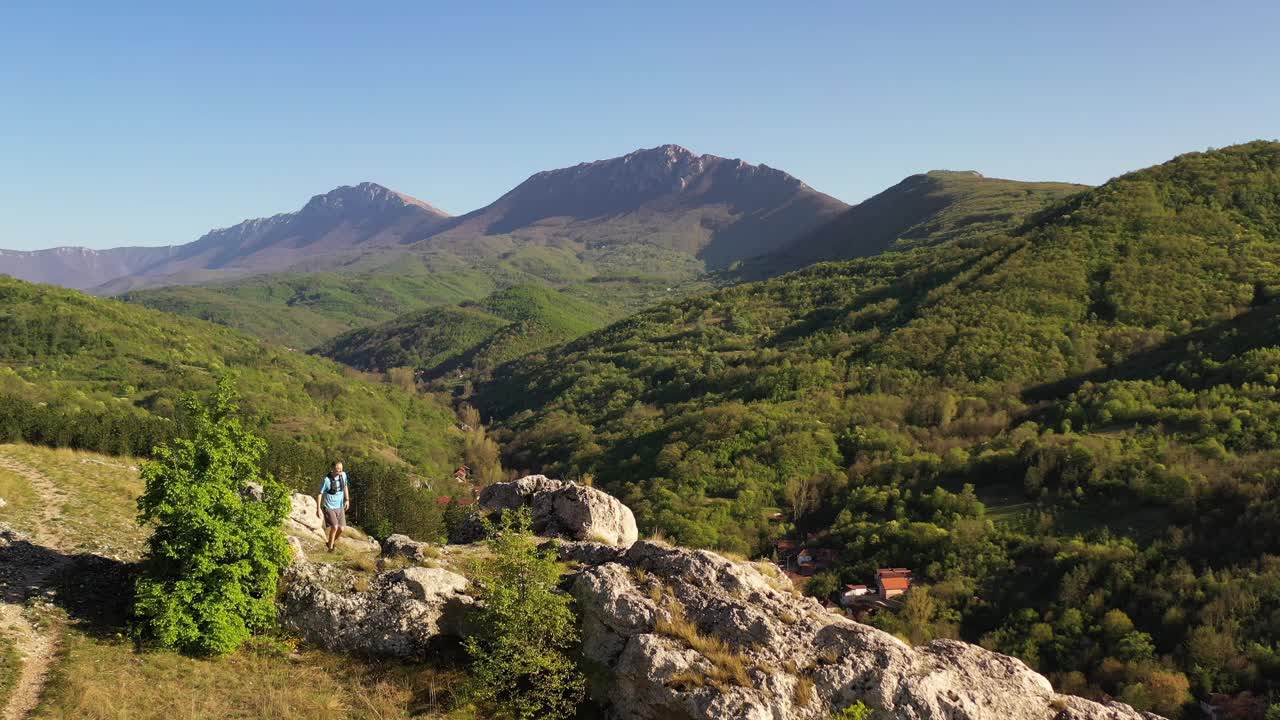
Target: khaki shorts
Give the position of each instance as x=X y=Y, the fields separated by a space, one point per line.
x=335 y=517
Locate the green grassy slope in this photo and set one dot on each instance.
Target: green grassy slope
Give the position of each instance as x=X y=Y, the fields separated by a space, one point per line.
x=78 y=354
x=479 y=335
x=423 y=339
x=303 y=309
x=300 y=310
x=1112 y=357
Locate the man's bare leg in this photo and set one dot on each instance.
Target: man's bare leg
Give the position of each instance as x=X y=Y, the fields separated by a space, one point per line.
x=337 y=535
x=331 y=538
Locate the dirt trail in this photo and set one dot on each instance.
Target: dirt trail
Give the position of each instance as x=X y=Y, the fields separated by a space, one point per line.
x=23 y=578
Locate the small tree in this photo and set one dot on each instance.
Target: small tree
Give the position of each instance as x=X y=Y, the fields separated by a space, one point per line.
x=524 y=630
x=918 y=611
x=822 y=585
x=211 y=566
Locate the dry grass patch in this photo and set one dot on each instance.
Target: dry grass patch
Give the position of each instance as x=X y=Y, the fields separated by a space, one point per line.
x=776 y=578
x=802 y=691
x=685 y=680
x=728 y=666
x=658 y=538
x=98 y=679
x=362 y=563
x=732 y=556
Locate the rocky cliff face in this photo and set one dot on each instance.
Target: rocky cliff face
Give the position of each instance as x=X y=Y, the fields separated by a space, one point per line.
x=687 y=633
x=682 y=633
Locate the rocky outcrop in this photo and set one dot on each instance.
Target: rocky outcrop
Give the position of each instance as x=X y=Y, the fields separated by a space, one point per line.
x=406 y=547
x=561 y=509
x=680 y=633
x=690 y=634
x=305 y=521
x=399 y=614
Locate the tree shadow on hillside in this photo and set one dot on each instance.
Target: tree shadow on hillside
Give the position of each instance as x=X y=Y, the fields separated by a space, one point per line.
x=912 y=291
x=96 y=592
x=1255 y=328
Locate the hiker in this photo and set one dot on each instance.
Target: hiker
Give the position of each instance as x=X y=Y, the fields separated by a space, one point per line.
x=332 y=503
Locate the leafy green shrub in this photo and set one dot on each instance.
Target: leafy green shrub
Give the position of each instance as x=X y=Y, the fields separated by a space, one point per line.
x=856 y=711
x=524 y=630
x=211 y=566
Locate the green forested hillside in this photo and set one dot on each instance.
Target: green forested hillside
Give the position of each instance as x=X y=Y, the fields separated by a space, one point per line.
x=1066 y=427
x=303 y=309
x=479 y=335
x=932 y=208
x=104 y=375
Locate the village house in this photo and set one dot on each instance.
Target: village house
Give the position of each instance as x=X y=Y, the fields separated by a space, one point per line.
x=892 y=582
x=807 y=561
x=852 y=593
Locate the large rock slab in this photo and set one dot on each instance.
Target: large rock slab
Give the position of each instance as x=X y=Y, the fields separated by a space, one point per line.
x=399 y=615
x=303 y=517
x=561 y=509
x=406 y=547
x=799 y=661
x=303 y=520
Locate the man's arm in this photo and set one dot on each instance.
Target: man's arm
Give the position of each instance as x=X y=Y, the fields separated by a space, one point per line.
x=347 y=497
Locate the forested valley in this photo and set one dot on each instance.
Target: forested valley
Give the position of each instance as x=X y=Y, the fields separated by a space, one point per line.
x=1068 y=428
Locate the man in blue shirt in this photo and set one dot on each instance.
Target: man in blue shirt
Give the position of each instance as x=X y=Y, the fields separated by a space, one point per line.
x=332 y=503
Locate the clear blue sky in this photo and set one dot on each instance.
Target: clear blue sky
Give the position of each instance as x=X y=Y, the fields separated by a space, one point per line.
x=150 y=123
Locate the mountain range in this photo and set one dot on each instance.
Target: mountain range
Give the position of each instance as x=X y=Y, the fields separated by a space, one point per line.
x=715 y=209
x=1054 y=405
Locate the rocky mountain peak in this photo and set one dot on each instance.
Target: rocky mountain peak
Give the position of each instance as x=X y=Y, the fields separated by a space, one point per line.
x=364 y=197
x=655 y=171
x=668 y=156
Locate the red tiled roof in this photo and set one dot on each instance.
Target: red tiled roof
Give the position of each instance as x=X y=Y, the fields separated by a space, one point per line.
x=855 y=587
x=893 y=573
x=895 y=583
